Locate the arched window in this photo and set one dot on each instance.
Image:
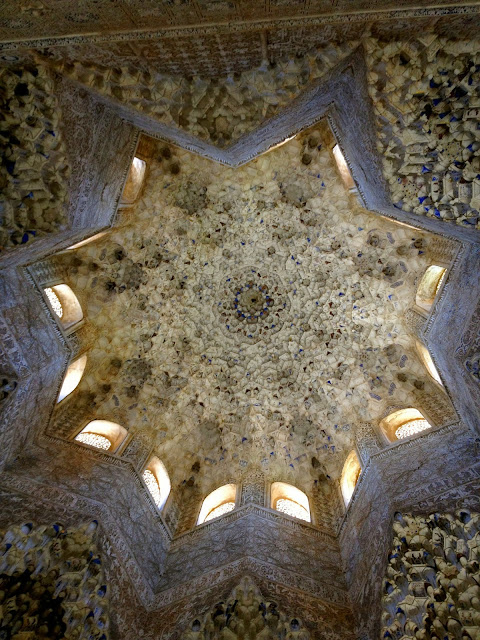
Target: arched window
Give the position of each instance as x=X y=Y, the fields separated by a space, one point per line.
x=64 y=304
x=102 y=434
x=290 y=500
x=134 y=181
x=429 y=286
x=72 y=377
x=350 y=475
x=404 y=423
x=156 y=478
x=82 y=243
x=217 y=503
x=343 y=167
x=428 y=362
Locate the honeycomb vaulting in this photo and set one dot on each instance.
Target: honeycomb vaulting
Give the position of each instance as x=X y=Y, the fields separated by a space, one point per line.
x=251 y=315
x=242 y=327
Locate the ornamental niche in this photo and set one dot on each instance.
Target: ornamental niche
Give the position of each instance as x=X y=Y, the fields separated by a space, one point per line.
x=246 y=614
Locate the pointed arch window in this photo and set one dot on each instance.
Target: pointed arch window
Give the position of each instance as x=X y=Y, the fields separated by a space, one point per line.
x=428 y=362
x=82 y=243
x=64 y=304
x=218 y=503
x=343 y=167
x=291 y=501
x=54 y=302
x=72 y=377
x=102 y=434
x=134 y=182
x=157 y=481
x=429 y=286
x=411 y=427
x=224 y=508
x=404 y=423
x=94 y=440
x=350 y=476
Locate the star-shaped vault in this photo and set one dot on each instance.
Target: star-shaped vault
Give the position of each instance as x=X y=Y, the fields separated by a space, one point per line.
x=251 y=315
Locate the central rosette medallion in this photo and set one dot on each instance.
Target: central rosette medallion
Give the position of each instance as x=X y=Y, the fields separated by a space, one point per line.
x=253 y=304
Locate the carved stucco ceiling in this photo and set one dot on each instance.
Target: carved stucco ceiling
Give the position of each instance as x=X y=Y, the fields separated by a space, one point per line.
x=49 y=18
x=200 y=37
x=250 y=316
x=212 y=109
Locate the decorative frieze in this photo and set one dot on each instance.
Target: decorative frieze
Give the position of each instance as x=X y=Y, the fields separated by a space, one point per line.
x=415 y=322
x=253 y=489
x=137 y=451
x=367 y=442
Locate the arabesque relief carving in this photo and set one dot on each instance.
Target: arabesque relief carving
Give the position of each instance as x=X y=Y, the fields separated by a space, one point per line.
x=246 y=615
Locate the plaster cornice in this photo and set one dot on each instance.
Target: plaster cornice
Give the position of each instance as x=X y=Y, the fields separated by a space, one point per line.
x=224 y=27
